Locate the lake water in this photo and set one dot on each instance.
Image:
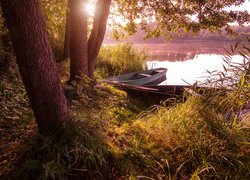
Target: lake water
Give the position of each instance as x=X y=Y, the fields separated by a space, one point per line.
x=191 y=70
x=187 y=62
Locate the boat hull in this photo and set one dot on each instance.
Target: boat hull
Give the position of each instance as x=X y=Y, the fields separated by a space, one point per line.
x=164 y=90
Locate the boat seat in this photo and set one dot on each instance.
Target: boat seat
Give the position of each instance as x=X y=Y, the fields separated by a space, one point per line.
x=145 y=75
x=158 y=71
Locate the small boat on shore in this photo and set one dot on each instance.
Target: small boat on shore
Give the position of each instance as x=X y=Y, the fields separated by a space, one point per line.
x=152 y=77
x=146 y=84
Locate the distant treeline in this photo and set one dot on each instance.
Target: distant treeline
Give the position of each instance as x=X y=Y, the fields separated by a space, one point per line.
x=203 y=35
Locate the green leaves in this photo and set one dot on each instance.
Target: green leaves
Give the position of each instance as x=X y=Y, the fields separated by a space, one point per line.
x=55 y=15
x=175 y=16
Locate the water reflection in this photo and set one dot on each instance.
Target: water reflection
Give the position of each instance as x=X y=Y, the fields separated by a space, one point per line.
x=162 y=56
x=185 y=50
x=192 y=70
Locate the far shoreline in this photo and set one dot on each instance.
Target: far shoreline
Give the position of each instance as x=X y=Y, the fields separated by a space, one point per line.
x=178 y=41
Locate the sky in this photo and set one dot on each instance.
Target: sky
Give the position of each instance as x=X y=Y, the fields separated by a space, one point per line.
x=244 y=6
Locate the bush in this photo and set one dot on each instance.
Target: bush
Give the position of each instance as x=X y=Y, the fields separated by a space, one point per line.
x=119 y=59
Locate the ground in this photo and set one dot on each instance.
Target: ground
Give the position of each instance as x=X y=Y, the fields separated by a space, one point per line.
x=112 y=135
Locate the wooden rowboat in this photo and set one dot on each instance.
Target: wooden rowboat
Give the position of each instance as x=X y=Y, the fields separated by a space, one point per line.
x=145 y=84
x=152 y=77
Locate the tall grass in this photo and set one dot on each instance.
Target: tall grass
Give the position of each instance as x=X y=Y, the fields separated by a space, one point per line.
x=186 y=141
x=232 y=93
x=206 y=137
x=118 y=59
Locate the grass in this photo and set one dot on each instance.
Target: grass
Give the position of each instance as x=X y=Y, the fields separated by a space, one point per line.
x=185 y=141
x=111 y=135
x=82 y=151
x=17 y=124
x=119 y=59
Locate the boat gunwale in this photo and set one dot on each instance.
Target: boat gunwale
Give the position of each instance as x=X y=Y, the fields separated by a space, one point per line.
x=160 y=73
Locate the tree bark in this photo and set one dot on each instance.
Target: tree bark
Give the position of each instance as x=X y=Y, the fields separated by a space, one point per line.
x=97 y=33
x=6 y=62
x=36 y=63
x=78 y=40
x=66 y=49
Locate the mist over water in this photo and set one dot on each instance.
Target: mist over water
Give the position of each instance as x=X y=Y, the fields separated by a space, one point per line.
x=188 y=63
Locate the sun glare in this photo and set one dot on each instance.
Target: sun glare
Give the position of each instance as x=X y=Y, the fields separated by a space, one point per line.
x=90 y=8
x=87 y=7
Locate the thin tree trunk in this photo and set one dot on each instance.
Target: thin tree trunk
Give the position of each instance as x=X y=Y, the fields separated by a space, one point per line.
x=97 y=33
x=78 y=41
x=66 y=50
x=36 y=63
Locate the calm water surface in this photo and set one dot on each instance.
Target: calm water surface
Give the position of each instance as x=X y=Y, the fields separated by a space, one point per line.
x=187 y=62
x=192 y=70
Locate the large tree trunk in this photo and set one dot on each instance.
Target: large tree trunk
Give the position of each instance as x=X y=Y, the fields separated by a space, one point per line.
x=66 y=49
x=78 y=40
x=35 y=61
x=97 y=33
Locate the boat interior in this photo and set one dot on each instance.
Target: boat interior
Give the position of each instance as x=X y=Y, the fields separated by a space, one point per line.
x=142 y=75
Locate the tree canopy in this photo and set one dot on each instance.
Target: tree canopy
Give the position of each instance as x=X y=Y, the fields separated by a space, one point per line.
x=178 y=16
